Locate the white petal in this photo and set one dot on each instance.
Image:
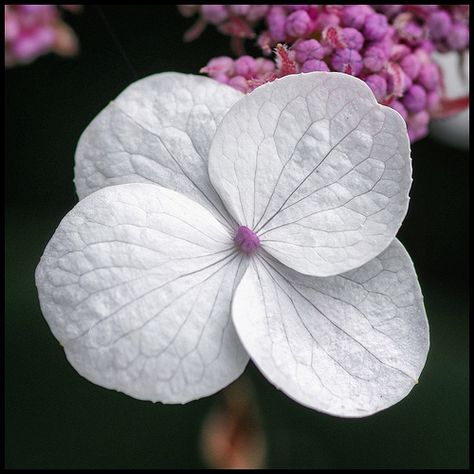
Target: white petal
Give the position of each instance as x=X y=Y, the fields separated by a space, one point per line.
x=348 y=345
x=316 y=168
x=136 y=284
x=158 y=130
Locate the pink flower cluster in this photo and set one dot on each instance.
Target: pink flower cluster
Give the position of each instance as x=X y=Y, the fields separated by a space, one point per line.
x=34 y=30
x=390 y=47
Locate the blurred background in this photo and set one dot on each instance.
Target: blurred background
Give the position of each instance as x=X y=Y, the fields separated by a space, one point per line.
x=57 y=419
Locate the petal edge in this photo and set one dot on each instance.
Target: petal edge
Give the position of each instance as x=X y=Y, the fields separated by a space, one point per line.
x=349 y=345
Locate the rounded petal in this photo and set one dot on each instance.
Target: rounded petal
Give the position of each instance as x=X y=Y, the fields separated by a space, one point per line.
x=158 y=130
x=348 y=345
x=318 y=169
x=136 y=284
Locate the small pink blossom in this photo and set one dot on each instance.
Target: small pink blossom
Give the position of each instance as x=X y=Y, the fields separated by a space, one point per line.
x=375 y=26
x=34 y=30
x=375 y=58
x=458 y=37
x=214 y=13
x=378 y=84
x=439 y=24
x=352 y=38
x=429 y=76
x=245 y=66
x=308 y=49
x=276 y=20
x=355 y=15
x=314 y=65
x=348 y=61
x=411 y=65
x=239 y=83
x=415 y=98
x=298 y=24
x=400 y=108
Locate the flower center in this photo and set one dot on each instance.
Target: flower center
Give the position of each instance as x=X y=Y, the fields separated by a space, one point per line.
x=246 y=240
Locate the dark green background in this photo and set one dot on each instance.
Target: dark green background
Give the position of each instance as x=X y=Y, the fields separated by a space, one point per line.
x=56 y=419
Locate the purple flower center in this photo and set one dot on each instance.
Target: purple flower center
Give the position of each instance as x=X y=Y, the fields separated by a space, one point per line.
x=246 y=240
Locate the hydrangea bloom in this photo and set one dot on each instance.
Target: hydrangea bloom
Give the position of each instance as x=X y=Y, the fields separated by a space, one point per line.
x=215 y=226
x=34 y=30
x=390 y=47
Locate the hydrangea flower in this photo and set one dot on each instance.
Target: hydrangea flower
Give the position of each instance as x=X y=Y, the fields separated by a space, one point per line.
x=215 y=226
x=34 y=30
x=390 y=47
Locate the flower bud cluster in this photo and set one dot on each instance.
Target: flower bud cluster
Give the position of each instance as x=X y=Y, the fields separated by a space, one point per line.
x=390 y=47
x=34 y=30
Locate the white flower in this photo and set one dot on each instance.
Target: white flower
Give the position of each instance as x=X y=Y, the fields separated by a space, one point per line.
x=258 y=225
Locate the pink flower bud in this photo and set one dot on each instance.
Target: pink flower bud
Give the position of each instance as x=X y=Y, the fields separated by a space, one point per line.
x=12 y=26
x=240 y=10
x=256 y=12
x=407 y=82
x=415 y=99
x=294 y=8
x=423 y=55
x=239 y=83
x=352 y=38
x=299 y=24
x=314 y=65
x=37 y=42
x=33 y=30
x=400 y=108
x=214 y=13
x=389 y=10
x=220 y=77
x=399 y=51
x=439 y=24
x=427 y=45
x=458 y=37
x=386 y=42
x=219 y=65
x=378 y=85
x=245 y=66
x=432 y=101
x=375 y=26
x=411 y=65
x=276 y=20
x=460 y=12
x=348 y=61
x=429 y=76
x=417 y=125
x=355 y=15
x=308 y=49
x=412 y=32
x=326 y=19
x=264 y=66
x=375 y=58
x=38 y=9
